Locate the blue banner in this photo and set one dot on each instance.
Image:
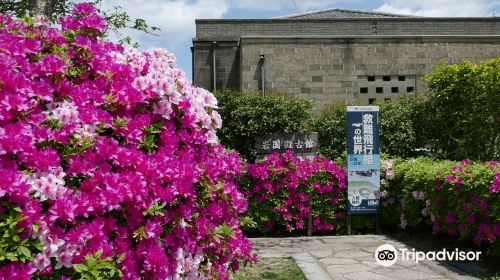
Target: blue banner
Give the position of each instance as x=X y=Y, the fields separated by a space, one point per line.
x=363 y=160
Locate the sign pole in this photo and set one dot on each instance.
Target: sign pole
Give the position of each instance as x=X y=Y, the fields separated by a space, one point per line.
x=349 y=224
x=377 y=223
x=309 y=222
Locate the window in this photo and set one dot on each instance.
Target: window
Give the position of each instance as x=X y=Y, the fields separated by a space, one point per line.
x=383 y=86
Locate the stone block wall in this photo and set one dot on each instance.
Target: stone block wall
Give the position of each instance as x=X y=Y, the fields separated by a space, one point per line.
x=229 y=28
x=227 y=61
x=330 y=70
x=330 y=60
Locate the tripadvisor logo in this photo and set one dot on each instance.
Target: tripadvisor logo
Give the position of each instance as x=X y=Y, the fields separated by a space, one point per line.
x=387 y=255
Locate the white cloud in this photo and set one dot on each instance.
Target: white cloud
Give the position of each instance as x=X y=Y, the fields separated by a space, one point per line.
x=274 y=5
x=175 y=18
x=440 y=8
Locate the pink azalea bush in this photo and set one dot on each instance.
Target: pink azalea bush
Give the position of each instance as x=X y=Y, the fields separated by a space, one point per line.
x=109 y=161
x=464 y=203
x=282 y=189
x=457 y=199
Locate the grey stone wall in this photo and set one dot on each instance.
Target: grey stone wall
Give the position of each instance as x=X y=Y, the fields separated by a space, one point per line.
x=217 y=29
x=227 y=61
x=332 y=70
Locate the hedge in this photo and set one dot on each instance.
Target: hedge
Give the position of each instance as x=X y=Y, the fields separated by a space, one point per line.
x=464 y=106
x=459 y=199
x=400 y=122
x=247 y=115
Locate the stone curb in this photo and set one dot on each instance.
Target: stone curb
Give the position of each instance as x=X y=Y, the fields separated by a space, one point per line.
x=309 y=266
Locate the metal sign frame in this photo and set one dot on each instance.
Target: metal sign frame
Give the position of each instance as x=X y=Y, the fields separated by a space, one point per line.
x=363 y=162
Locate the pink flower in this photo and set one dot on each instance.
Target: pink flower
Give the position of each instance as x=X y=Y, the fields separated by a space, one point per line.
x=471 y=218
x=451 y=218
x=113 y=150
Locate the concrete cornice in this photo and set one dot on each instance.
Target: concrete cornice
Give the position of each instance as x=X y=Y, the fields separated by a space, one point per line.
x=375 y=38
x=396 y=19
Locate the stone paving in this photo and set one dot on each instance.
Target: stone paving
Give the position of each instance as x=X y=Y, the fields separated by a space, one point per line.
x=350 y=258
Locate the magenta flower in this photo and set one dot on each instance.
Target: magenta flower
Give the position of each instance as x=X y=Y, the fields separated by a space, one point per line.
x=451 y=218
x=113 y=150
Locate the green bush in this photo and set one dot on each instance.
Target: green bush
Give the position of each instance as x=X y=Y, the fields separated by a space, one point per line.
x=409 y=176
x=245 y=116
x=399 y=126
x=400 y=121
x=331 y=126
x=464 y=105
x=443 y=196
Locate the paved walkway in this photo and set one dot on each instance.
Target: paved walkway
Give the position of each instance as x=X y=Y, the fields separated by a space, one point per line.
x=349 y=257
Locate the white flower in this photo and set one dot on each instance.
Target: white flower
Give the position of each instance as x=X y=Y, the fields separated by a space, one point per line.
x=424 y=212
x=41 y=261
x=403 y=222
x=65 y=112
x=47 y=185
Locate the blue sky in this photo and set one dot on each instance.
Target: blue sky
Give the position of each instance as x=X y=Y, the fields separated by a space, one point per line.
x=176 y=17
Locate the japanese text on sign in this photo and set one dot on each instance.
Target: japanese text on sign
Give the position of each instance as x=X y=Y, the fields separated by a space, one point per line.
x=304 y=145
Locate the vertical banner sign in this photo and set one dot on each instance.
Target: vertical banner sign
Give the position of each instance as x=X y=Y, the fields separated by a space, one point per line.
x=363 y=160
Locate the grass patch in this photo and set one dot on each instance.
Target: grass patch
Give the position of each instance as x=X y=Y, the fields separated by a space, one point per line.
x=271 y=268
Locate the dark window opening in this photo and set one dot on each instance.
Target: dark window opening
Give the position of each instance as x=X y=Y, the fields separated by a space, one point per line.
x=410 y=89
x=386 y=78
x=401 y=78
x=379 y=90
x=387 y=99
x=363 y=90
x=371 y=100
x=371 y=78
x=394 y=89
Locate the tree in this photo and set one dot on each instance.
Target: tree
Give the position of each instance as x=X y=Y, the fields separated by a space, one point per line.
x=117 y=19
x=464 y=105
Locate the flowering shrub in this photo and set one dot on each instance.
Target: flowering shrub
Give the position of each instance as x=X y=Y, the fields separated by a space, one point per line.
x=282 y=189
x=460 y=200
x=464 y=204
x=110 y=165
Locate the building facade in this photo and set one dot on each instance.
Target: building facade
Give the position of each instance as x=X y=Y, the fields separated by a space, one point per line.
x=336 y=56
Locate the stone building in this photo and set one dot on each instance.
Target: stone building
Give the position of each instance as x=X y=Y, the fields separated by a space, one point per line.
x=336 y=55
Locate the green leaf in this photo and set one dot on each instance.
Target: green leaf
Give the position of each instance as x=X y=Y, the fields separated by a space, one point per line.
x=25 y=251
x=35 y=227
x=80 y=267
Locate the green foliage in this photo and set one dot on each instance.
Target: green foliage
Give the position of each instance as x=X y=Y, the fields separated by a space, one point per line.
x=13 y=247
x=245 y=116
x=151 y=137
x=331 y=126
x=465 y=110
x=95 y=267
x=400 y=122
x=155 y=210
x=424 y=192
x=223 y=232
x=410 y=175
